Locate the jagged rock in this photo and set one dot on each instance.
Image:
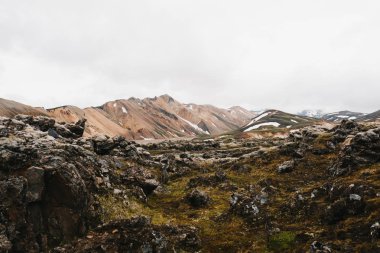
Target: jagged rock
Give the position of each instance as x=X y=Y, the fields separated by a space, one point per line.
x=13 y=157
x=286 y=167
x=53 y=133
x=5 y=244
x=243 y=205
x=340 y=209
x=240 y=168
x=44 y=187
x=317 y=247
x=197 y=198
x=136 y=235
x=184 y=156
x=103 y=144
x=289 y=148
x=36 y=183
x=3 y=131
x=362 y=150
x=344 y=129
x=375 y=230
x=141 y=178
x=214 y=180
x=40 y=122
x=77 y=128
x=46 y=124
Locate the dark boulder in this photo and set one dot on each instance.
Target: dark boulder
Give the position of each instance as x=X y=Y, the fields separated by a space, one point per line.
x=344 y=129
x=102 y=144
x=375 y=230
x=140 y=177
x=318 y=247
x=77 y=128
x=244 y=206
x=40 y=122
x=44 y=187
x=36 y=183
x=361 y=150
x=343 y=208
x=240 y=168
x=197 y=198
x=286 y=167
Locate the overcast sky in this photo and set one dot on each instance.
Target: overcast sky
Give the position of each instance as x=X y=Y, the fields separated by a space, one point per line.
x=290 y=55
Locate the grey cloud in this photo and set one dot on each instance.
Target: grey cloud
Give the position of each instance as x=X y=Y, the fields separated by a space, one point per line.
x=290 y=55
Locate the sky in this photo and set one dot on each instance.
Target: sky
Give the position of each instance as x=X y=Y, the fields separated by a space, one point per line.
x=289 y=55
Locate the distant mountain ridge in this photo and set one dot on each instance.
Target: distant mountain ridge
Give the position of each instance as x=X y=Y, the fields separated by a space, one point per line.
x=160 y=117
x=275 y=119
x=375 y=116
x=312 y=113
x=9 y=108
x=163 y=117
x=338 y=116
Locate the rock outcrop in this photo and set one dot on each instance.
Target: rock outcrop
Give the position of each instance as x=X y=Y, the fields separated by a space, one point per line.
x=47 y=183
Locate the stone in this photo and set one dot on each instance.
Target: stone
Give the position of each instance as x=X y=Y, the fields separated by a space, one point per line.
x=103 y=144
x=53 y=133
x=36 y=183
x=362 y=150
x=197 y=198
x=375 y=230
x=286 y=167
x=317 y=247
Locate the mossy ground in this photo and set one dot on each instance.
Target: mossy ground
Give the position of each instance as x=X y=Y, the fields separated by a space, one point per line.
x=235 y=234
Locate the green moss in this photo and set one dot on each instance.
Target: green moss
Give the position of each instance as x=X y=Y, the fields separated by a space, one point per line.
x=114 y=208
x=282 y=241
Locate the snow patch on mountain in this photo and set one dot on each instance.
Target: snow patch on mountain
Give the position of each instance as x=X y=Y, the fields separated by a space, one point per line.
x=275 y=124
x=257 y=118
x=312 y=113
x=193 y=125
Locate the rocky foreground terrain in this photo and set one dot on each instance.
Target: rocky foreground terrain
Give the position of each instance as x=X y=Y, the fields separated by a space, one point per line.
x=317 y=190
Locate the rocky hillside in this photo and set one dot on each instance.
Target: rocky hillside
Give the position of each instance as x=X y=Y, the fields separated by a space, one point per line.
x=274 y=119
x=316 y=191
x=339 y=116
x=151 y=118
x=375 y=116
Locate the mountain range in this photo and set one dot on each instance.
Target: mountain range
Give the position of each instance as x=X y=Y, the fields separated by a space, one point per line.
x=160 y=117
x=164 y=117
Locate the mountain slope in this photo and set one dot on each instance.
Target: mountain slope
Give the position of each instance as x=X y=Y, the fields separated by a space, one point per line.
x=338 y=116
x=312 y=113
x=9 y=108
x=277 y=119
x=160 y=117
x=371 y=117
x=165 y=117
x=98 y=121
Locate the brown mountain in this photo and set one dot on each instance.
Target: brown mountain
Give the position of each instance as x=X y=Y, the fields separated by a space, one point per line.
x=165 y=117
x=160 y=117
x=9 y=108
